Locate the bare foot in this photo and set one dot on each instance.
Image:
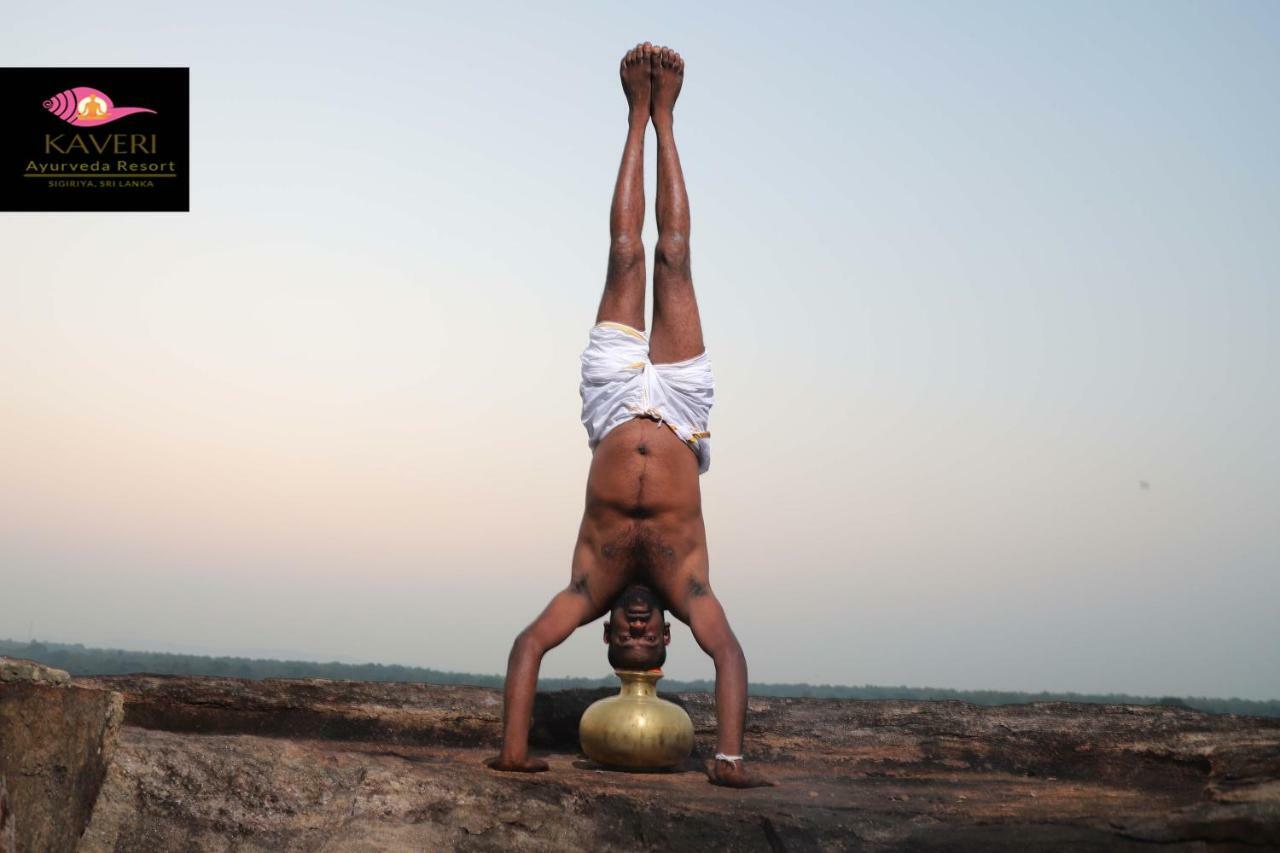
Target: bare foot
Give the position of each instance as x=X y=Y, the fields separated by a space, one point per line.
x=525 y=765
x=637 y=78
x=668 y=77
x=734 y=774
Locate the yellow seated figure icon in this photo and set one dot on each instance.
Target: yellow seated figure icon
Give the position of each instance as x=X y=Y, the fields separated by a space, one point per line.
x=93 y=108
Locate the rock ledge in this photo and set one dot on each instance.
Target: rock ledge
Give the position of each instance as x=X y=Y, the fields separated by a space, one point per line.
x=205 y=764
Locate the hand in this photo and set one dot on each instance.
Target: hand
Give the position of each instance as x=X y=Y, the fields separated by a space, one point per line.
x=524 y=765
x=734 y=774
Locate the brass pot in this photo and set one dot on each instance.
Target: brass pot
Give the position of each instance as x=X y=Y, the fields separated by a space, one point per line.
x=636 y=730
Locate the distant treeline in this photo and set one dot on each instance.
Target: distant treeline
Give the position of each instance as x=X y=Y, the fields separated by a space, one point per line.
x=79 y=660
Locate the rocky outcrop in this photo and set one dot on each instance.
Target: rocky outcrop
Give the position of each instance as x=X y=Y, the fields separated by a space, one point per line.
x=56 y=741
x=207 y=764
x=22 y=671
x=324 y=765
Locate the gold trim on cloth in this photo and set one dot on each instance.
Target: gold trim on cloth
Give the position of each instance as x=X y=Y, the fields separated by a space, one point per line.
x=693 y=437
x=622 y=327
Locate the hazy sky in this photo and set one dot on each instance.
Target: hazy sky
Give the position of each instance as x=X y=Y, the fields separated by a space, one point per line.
x=968 y=273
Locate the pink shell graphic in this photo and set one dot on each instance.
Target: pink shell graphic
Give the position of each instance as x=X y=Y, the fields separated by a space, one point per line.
x=85 y=106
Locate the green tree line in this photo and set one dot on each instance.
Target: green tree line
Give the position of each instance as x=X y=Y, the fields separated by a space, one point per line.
x=85 y=661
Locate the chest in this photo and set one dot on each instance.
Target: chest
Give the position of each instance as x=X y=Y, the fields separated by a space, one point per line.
x=640 y=552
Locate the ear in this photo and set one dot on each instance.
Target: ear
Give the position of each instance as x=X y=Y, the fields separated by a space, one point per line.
x=608 y=624
x=666 y=633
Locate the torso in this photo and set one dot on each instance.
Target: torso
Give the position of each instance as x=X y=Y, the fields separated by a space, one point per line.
x=643 y=517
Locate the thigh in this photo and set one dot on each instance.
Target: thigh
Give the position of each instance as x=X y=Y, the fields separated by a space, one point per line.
x=621 y=308
x=624 y=289
x=677 y=327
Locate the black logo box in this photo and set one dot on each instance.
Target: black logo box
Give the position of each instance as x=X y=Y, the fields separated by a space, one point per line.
x=27 y=122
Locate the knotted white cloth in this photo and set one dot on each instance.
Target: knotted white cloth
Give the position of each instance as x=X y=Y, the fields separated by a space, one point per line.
x=619 y=383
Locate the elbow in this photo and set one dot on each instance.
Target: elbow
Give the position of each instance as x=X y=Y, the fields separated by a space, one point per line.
x=729 y=655
x=527 y=646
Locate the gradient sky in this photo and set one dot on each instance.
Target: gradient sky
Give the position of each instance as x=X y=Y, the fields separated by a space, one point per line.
x=969 y=272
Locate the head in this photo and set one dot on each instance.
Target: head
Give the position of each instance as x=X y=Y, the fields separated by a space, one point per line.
x=636 y=633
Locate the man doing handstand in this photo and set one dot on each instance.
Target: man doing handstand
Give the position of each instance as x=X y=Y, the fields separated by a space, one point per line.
x=645 y=404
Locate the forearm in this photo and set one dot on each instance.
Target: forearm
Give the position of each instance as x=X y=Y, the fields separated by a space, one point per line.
x=731 y=698
x=518 y=694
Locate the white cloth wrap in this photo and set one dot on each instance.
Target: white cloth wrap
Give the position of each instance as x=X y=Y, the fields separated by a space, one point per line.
x=619 y=382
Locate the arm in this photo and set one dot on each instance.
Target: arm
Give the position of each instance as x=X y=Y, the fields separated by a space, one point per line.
x=711 y=629
x=569 y=609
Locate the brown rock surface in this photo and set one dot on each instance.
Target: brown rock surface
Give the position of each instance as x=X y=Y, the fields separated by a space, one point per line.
x=21 y=670
x=215 y=764
x=8 y=832
x=55 y=744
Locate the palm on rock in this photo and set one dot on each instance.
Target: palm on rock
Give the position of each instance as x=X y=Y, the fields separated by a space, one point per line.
x=519 y=765
x=735 y=775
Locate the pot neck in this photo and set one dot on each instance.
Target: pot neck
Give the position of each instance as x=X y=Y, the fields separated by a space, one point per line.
x=637 y=682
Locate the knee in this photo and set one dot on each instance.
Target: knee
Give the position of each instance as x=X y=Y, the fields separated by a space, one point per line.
x=672 y=250
x=625 y=253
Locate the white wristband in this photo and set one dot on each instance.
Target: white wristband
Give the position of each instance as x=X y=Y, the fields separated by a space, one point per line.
x=732 y=759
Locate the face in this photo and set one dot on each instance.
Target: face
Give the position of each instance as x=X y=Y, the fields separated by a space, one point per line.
x=636 y=633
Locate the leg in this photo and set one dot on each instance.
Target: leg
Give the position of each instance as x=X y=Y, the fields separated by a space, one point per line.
x=624 y=285
x=677 y=329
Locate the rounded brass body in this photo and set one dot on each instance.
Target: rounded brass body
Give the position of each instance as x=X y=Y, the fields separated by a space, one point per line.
x=635 y=729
